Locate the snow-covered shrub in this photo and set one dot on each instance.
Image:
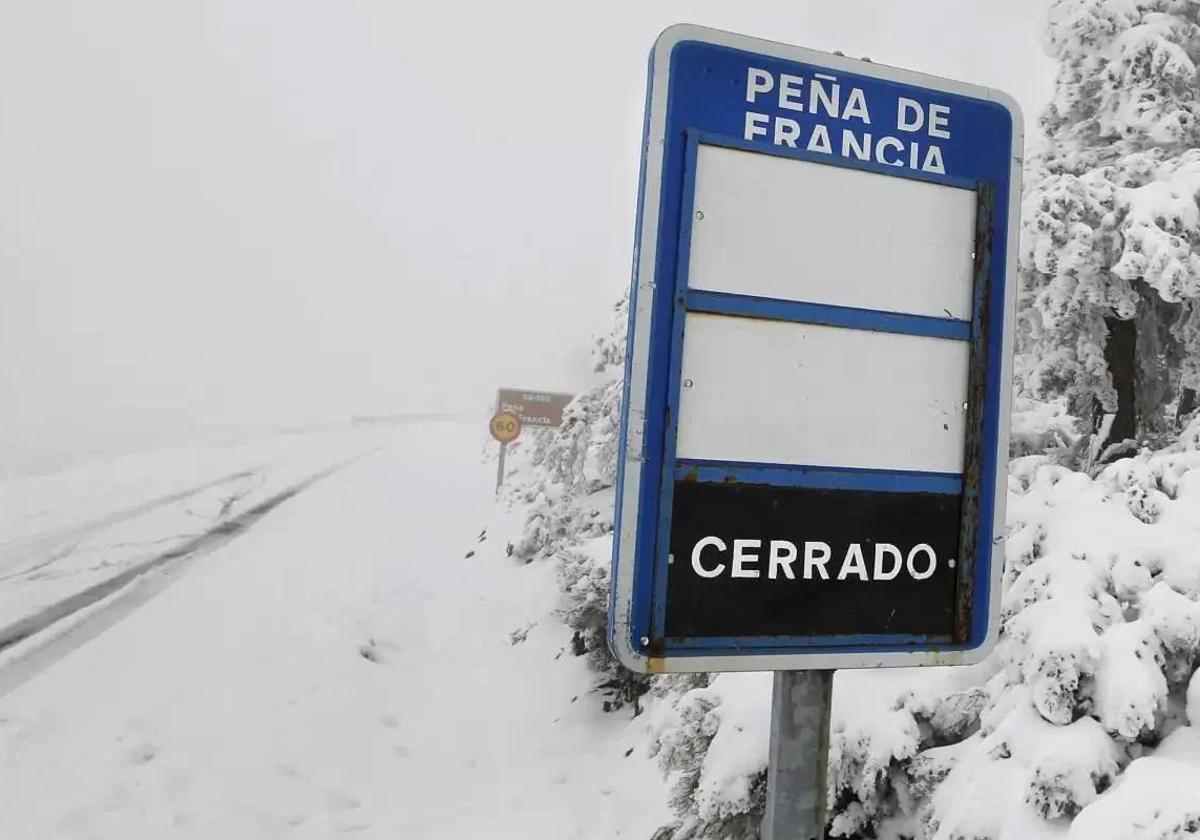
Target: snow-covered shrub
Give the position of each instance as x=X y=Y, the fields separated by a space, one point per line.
x=566 y=487
x=584 y=582
x=1043 y=428
x=864 y=759
x=1071 y=768
x=1096 y=668
x=1190 y=436
x=1154 y=799
x=1174 y=620
x=894 y=733
x=712 y=746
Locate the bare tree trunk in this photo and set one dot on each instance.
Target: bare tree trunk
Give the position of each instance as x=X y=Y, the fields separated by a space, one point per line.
x=1120 y=352
x=1189 y=401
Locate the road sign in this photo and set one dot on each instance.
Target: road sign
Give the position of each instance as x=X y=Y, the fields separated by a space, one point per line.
x=814 y=435
x=534 y=408
x=505 y=427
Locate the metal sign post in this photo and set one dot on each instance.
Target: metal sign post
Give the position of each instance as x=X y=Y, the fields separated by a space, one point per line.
x=814 y=433
x=500 y=467
x=505 y=428
x=799 y=756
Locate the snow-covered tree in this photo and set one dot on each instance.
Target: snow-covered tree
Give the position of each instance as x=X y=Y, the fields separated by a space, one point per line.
x=1110 y=280
x=566 y=487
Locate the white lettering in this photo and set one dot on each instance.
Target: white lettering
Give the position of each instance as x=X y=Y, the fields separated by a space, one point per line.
x=889 y=143
x=791 y=88
x=939 y=121
x=741 y=560
x=856 y=106
x=753 y=127
x=932 y=559
x=816 y=555
x=933 y=161
x=854 y=564
x=783 y=555
x=758 y=81
x=787 y=132
x=905 y=122
x=818 y=141
x=850 y=144
x=719 y=545
x=890 y=550
x=819 y=97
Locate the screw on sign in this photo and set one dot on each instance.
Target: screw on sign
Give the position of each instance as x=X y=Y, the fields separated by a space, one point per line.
x=505 y=427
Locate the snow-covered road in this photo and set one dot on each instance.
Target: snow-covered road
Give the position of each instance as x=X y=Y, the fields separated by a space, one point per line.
x=68 y=533
x=340 y=668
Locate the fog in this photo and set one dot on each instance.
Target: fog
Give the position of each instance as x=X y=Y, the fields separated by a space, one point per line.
x=221 y=218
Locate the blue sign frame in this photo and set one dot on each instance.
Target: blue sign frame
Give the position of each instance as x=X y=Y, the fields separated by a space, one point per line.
x=696 y=96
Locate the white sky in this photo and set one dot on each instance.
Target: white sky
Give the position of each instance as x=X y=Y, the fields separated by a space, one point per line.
x=216 y=216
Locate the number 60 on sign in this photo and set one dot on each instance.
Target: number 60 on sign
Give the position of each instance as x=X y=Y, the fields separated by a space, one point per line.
x=505 y=427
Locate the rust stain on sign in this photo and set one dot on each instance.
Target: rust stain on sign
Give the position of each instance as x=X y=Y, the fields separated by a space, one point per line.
x=976 y=397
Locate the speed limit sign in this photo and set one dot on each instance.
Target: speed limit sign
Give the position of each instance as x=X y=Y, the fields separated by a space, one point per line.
x=505 y=427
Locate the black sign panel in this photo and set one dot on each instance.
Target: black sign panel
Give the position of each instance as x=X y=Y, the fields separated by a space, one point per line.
x=752 y=560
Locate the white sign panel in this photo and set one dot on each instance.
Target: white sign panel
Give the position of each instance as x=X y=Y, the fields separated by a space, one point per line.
x=776 y=227
x=777 y=392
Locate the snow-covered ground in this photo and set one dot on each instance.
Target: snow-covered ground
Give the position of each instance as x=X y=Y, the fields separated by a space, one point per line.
x=64 y=532
x=364 y=660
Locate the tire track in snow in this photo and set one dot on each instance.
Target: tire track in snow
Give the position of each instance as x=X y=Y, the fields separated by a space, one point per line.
x=53 y=543
x=116 y=597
